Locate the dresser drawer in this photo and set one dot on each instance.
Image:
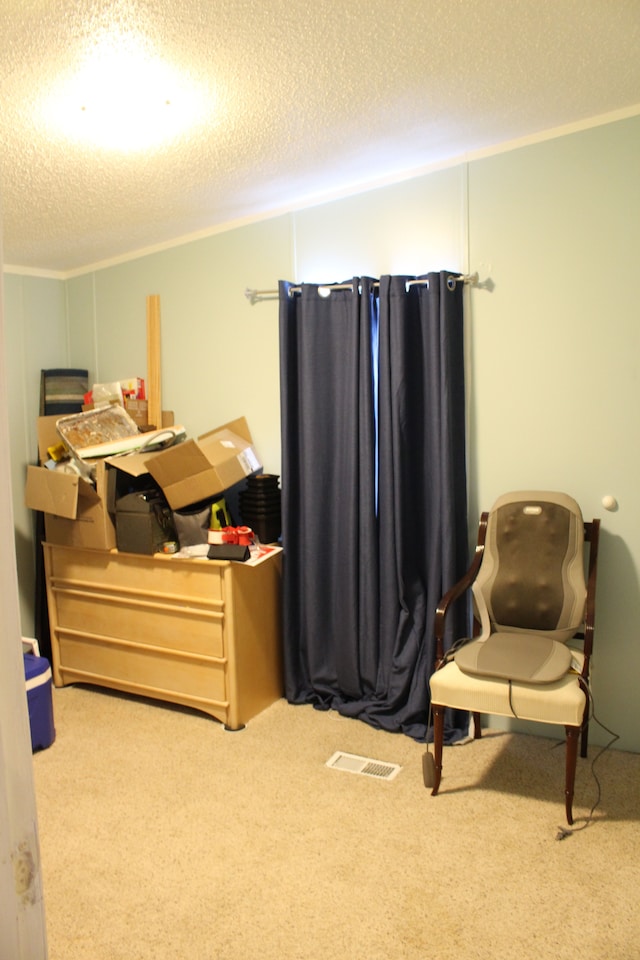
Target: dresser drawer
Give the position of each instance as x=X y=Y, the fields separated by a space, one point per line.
x=193 y=626
x=102 y=659
x=161 y=575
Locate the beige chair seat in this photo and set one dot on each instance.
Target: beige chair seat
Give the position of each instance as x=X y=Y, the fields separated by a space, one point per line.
x=562 y=701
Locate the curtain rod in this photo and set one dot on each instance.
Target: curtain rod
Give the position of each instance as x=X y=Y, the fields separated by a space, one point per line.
x=256 y=296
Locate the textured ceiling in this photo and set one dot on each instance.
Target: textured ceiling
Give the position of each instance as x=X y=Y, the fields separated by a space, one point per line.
x=295 y=100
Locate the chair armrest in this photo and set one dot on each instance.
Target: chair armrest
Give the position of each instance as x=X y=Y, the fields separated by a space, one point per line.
x=457 y=590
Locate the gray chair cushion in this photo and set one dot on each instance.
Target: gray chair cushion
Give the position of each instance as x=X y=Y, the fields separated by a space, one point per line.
x=523 y=657
x=530 y=592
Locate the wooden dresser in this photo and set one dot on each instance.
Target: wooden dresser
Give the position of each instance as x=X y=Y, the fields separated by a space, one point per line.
x=202 y=633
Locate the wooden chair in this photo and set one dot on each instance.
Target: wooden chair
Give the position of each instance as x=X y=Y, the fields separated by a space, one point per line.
x=534 y=595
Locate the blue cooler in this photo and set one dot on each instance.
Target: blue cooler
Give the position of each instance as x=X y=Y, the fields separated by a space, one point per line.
x=37 y=671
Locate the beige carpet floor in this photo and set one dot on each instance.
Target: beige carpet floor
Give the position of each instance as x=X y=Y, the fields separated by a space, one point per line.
x=163 y=836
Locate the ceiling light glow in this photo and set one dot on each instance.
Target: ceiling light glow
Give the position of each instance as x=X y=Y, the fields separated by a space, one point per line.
x=123 y=97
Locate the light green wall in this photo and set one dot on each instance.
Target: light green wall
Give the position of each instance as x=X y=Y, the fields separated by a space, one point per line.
x=219 y=354
x=553 y=228
x=402 y=229
x=555 y=360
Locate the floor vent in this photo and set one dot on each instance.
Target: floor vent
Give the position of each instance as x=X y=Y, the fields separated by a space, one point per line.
x=363 y=765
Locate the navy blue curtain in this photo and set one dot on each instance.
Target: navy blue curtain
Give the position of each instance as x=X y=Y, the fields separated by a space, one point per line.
x=373 y=492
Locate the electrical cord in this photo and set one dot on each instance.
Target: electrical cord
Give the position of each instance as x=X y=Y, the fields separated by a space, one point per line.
x=158 y=441
x=453 y=649
x=564 y=832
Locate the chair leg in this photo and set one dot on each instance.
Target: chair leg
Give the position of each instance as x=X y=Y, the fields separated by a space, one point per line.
x=570 y=770
x=477 y=728
x=438 y=735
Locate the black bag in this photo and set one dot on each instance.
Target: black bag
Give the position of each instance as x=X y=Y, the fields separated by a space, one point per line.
x=192 y=524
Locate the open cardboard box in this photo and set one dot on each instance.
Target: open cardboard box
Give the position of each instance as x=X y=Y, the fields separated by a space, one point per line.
x=200 y=469
x=77 y=514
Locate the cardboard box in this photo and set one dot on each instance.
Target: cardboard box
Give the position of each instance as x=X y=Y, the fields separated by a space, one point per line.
x=201 y=469
x=138 y=410
x=75 y=513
